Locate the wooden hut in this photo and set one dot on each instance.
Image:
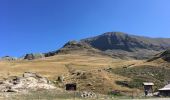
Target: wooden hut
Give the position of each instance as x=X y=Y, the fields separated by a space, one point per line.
x=71 y=87
x=148 y=88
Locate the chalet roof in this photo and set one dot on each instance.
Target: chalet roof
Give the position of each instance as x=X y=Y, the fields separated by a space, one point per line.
x=148 y=83
x=166 y=87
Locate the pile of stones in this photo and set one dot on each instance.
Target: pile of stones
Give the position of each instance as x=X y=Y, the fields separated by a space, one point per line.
x=86 y=94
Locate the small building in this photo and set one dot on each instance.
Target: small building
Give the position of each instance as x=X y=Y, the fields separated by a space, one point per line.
x=148 y=88
x=165 y=91
x=71 y=87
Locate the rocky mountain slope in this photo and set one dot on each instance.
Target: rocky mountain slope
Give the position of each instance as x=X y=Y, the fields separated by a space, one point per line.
x=69 y=47
x=72 y=47
x=123 y=41
x=117 y=45
x=114 y=44
x=33 y=56
x=163 y=56
x=122 y=44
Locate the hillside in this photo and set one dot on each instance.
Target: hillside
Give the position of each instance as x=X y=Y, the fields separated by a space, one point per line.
x=154 y=70
x=88 y=71
x=94 y=72
x=99 y=64
x=138 y=47
x=71 y=47
x=114 y=44
x=162 y=56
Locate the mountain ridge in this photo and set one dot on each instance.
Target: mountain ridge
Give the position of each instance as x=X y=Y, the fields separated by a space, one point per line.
x=116 y=38
x=115 y=44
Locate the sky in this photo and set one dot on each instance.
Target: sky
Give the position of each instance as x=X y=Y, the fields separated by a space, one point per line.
x=32 y=26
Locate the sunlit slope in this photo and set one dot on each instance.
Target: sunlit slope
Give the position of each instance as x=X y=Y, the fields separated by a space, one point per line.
x=66 y=64
x=56 y=65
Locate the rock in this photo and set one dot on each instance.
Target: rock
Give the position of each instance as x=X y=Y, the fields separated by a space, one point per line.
x=49 y=54
x=30 y=74
x=163 y=55
x=89 y=84
x=33 y=56
x=61 y=79
x=86 y=94
x=14 y=80
x=1 y=82
x=29 y=81
x=166 y=55
x=44 y=80
x=9 y=89
x=8 y=58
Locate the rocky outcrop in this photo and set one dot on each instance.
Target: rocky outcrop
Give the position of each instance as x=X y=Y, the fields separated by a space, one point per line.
x=8 y=58
x=49 y=54
x=33 y=56
x=72 y=47
x=29 y=81
x=166 y=55
x=163 y=55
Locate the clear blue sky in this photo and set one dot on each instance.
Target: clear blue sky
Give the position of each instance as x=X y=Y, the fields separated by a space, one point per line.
x=43 y=25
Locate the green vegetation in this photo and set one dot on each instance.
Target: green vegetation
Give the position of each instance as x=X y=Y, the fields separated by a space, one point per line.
x=159 y=75
x=44 y=95
x=115 y=93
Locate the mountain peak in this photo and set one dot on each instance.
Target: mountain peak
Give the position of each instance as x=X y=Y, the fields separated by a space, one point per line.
x=117 y=44
x=76 y=45
x=115 y=33
x=126 y=44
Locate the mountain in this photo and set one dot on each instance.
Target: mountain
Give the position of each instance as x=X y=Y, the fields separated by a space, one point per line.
x=123 y=41
x=71 y=47
x=89 y=63
x=122 y=44
x=114 y=44
x=74 y=47
x=68 y=48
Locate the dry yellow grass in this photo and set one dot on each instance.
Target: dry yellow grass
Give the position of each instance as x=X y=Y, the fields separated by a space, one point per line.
x=52 y=67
